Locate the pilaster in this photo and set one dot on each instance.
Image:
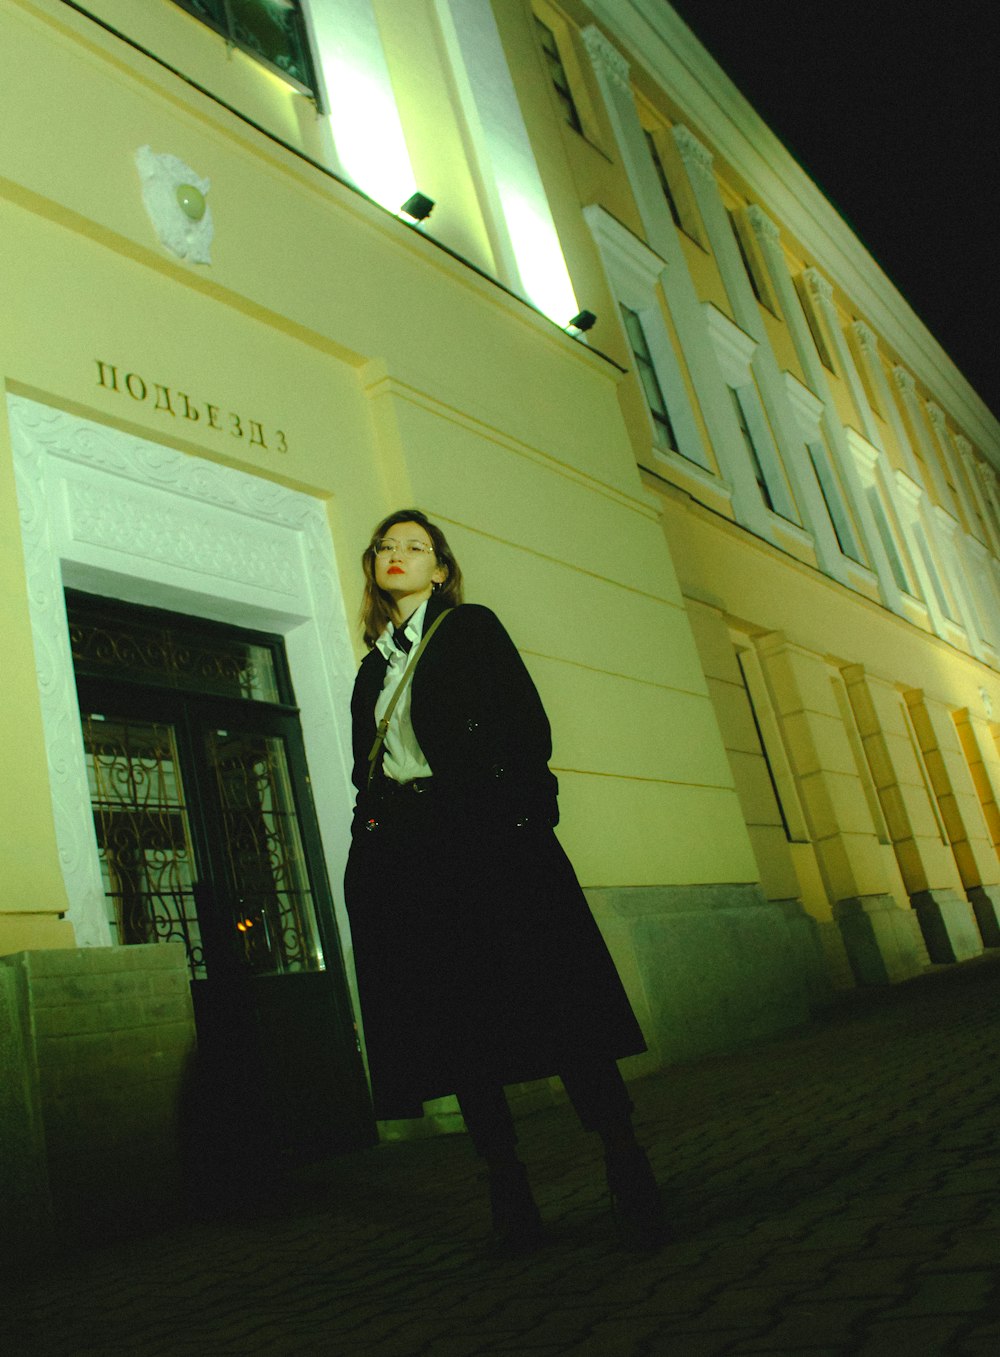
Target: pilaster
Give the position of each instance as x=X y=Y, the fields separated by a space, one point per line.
x=954 y=790
x=977 y=488
x=683 y=304
x=697 y=158
x=857 y=355
x=523 y=230
x=903 y=777
x=837 y=819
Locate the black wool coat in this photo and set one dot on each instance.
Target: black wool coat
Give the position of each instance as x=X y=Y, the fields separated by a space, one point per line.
x=476 y=953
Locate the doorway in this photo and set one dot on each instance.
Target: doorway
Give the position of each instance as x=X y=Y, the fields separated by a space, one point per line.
x=207 y=836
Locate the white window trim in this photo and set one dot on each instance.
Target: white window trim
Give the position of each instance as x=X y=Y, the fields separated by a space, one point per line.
x=734 y=350
x=634 y=271
x=807 y=410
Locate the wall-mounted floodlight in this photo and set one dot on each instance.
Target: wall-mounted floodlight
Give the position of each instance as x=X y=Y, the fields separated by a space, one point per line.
x=582 y=322
x=418 y=207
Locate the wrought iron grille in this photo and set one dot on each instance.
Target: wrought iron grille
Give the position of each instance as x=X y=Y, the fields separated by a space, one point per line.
x=267 y=867
x=143 y=834
x=170 y=654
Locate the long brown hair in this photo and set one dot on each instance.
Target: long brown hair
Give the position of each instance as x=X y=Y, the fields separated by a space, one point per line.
x=376 y=606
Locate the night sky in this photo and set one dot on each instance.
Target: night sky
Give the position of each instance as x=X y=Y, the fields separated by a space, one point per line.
x=893 y=110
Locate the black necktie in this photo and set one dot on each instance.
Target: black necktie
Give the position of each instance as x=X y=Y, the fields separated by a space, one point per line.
x=401 y=640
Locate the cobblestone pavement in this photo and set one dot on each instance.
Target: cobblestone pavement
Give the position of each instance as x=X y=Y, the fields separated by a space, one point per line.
x=833 y=1191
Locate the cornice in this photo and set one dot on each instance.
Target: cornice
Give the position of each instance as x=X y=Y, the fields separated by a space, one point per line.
x=865 y=454
x=806 y=405
x=658 y=40
x=733 y=345
x=626 y=247
x=905 y=380
x=911 y=491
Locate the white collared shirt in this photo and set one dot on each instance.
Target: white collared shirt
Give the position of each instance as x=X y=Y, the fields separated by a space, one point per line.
x=402 y=757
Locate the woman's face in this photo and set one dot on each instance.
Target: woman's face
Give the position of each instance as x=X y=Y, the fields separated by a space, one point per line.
x=403 y=571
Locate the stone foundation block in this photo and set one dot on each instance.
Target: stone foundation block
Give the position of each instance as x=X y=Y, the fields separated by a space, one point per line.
x=884 y=943
x=985 y=902
x=948 y=925
x=707 y=967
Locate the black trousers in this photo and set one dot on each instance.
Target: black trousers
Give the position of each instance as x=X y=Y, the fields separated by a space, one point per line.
x=595 y=1089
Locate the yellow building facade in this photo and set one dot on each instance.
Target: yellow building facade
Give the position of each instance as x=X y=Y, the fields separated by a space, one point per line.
x=745 y=529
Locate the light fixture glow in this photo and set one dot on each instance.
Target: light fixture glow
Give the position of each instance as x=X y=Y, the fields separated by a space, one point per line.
x=191 y=201
x=538 y=252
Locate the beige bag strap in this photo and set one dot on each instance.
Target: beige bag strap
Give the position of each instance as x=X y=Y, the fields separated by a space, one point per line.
x=383 y=725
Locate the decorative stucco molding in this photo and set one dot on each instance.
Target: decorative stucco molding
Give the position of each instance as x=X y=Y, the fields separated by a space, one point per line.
x=762 y=224
x=696 y=156
x=606 y=56
x=867 y=338
x=110 y=511
x=938 y=418
x=819 y=287
x=904 y=380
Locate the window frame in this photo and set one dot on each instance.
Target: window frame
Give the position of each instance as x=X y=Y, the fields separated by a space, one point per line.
x=649 y=379
x=633 y=272
x=555 y=63
x=226 y=31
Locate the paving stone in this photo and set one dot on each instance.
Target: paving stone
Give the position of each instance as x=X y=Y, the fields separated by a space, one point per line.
x=926 y=1334
x=971 y=1250
x=948 y=1293
x=691 y=1343
x=983 y=1340
x=884 y=1279
x=805 y=1323
x=832 y=1192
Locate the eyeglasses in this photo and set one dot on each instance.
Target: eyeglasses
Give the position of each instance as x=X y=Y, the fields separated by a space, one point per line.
x=388 y=547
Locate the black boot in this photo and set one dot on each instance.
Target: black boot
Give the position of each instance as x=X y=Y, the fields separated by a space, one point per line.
x=517 y=1226
x=635 y=1197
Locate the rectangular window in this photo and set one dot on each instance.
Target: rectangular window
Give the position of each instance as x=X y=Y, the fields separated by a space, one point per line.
x=558 y=76
x=661 y=174
x=751 y=448
x=833 y=498
x=759 y=282
x=650 y=381
x=937 y=584
x=273 y=32
x=766 y=467
x=888 y=540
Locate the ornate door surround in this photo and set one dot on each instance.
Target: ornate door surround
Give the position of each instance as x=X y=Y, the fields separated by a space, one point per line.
x=113 y=514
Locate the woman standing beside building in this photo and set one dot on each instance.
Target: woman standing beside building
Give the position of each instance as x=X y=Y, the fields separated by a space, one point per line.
x=479 y=963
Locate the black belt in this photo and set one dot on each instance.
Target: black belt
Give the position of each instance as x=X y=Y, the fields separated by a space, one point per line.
x=387 y=788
